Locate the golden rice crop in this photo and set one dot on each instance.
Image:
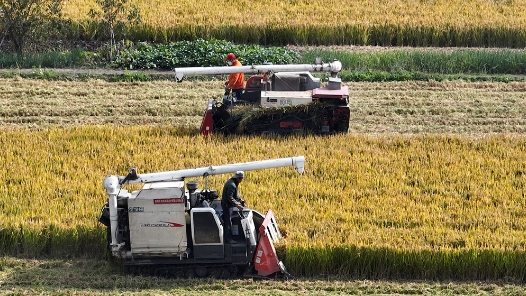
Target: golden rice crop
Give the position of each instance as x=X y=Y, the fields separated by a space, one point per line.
x=472 y=13
x=434 y=202
x=399 y=22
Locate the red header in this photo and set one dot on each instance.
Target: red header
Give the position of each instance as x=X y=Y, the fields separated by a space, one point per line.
x=162 y=201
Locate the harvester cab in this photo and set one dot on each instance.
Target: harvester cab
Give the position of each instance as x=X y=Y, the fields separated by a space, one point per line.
x=279 y=99
x=169 y=229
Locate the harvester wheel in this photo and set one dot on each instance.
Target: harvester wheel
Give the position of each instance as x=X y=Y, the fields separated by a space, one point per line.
x=162 y=272
x=189 y=274
x=219 y=273
x=233 y=270
x=225 y=273
x=201 y=271
x=179 y=273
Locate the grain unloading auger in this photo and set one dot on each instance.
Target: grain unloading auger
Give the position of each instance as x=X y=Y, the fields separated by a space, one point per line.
x=168 y=230
x=281 y=99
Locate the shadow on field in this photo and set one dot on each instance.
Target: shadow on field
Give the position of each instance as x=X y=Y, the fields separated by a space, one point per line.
x=334 y=263
x=96 y=276
x=80 y=274
x=348 y=262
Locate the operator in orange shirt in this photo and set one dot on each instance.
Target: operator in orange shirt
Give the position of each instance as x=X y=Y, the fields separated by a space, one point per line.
x=236 y=81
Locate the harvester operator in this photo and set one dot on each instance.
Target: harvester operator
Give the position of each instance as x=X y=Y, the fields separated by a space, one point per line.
x=229 y=200
x=236 y=81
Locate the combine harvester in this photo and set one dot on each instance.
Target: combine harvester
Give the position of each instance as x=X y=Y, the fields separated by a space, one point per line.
x=167 y=230
x=278 y=99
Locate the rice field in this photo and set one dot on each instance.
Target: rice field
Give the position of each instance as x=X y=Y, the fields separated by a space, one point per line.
x=479 y=23
x=429 y=183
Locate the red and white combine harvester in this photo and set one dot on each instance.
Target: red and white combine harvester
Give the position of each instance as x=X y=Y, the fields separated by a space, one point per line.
x=278 y=99
x=169 y=230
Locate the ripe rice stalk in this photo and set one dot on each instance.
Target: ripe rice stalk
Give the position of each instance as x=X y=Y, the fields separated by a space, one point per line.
x=425 y=206
x=400 y=23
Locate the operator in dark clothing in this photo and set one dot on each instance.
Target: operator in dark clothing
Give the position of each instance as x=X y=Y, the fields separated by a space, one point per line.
x=231 y=199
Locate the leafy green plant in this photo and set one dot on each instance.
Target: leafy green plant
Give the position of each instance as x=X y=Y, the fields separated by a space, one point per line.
x=198 y=53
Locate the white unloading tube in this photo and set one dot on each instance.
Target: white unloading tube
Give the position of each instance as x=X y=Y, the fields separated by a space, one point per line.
x=111 y=183
x=297 y=161
x=333 y=67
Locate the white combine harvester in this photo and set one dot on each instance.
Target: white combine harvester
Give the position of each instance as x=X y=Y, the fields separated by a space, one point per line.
x=169 y=230
x=288 y=97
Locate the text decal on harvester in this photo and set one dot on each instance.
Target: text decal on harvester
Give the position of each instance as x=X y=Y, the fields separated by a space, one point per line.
x=162 y=224
x=162 y=201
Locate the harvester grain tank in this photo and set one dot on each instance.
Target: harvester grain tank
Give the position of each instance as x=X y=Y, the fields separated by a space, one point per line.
x=169 y=230
x=278 y=99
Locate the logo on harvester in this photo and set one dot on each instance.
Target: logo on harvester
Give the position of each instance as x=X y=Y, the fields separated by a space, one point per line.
x=162 y=224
